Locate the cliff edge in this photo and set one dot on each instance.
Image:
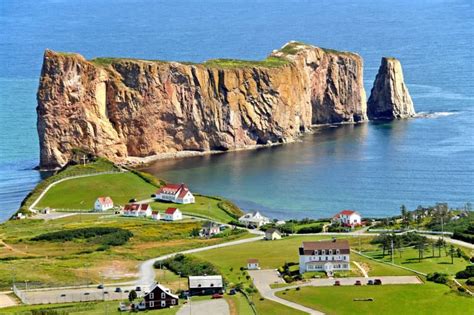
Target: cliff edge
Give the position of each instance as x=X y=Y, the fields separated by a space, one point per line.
x=389 y=98
x=121 y=108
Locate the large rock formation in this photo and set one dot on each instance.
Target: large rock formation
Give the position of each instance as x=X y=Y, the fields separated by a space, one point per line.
x=119 y=108
x=389 y=98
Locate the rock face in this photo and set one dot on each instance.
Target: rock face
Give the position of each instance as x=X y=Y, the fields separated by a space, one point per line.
x=389 y=98
x=120 y=108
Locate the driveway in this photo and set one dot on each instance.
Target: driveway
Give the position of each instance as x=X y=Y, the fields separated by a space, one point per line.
x=6 y=300
x=214 y=307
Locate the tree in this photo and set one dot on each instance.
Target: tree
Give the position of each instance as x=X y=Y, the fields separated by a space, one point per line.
x=195 y=232
x=132 y=295
x=452 y=251
x=440 y=243
x=421 y=248
x=404 y=212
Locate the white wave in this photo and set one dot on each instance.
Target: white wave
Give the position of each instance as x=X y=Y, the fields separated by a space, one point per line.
x=435 y=114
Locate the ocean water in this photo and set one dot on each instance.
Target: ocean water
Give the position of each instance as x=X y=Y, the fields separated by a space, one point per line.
x=372 y=167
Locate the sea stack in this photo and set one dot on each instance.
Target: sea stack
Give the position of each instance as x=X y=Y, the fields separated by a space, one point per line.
x=389 y=98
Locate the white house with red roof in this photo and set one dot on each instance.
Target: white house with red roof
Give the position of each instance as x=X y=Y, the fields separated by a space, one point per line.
x=156 y=215
x=103 y=204
x=137 y=210
x=348 y=218
x=177 y=193
x=173 y=214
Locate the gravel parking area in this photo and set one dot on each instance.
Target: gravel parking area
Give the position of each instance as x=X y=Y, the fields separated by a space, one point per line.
x=214 y=307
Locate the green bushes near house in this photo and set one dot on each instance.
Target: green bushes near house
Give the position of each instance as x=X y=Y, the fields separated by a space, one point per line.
x=466 y=235
x=187 y=266
x=437 y=277
x=466 y=273
x=108 y=236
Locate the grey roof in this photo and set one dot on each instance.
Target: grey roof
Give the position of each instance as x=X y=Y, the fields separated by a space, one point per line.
x=196 y=282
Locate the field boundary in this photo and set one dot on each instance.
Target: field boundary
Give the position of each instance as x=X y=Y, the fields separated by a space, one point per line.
x=388 y=263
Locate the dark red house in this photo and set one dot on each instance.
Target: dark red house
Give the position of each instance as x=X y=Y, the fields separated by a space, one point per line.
x=160 y=297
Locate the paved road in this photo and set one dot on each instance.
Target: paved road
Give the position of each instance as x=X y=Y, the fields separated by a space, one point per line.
x=147 y=272
x=214 y=307
x=262 y=280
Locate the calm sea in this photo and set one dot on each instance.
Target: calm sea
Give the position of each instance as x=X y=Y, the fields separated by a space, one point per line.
x=372 y=167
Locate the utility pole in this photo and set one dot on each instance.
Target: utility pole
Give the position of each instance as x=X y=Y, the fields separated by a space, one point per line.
x=391 y=251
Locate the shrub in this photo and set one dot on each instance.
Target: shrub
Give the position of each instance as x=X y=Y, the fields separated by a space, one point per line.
x=101 y=235
x=465 y=274
x=461 y=289
x=310 y=229
x=470 y=281
x=437 y=277
x=187 y=266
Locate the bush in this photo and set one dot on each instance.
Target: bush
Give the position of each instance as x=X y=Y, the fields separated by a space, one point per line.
x=187 y=266
x=464 y=237
x=465 y=274
x=437 y=277
x=310 y=229
x=461 y=289
x=470 y=281
x=101 y=235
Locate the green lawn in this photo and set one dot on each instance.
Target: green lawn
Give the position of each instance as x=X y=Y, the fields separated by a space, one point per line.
x=428 y=264
x=90 y=308
x=81 y=193
x=204 y=207
x=428 y=298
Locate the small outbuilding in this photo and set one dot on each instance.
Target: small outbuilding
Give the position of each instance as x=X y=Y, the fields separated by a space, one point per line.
x=155 y=215
x=173 y=214
x=205 y=285
x=272 y=234
x=210 y=229
x=103 y=204
x=253 y=264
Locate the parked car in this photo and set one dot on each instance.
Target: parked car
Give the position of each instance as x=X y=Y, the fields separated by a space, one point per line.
x=122 y=307
x=217 y=296
x=86 y=293
x=126 y=291
x=378 y=282
x=358 y=282
x=370 y=282
x=138 y=289
x=100 y=286
x=337 y=283
x=133 y=200
x=232 y=292
x=118 y=290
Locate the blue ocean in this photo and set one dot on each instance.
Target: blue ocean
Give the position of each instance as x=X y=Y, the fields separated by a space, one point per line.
x=373 y=167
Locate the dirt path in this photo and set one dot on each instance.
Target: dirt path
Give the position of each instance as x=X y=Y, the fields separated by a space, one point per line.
x=6 y=300
x=13 y=249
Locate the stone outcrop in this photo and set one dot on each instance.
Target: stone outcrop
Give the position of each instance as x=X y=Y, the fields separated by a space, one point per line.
x=121 y=108
x=389 y=98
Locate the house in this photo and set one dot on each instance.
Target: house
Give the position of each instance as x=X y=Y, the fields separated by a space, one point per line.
x=327 y=256
x=348 y=218
x=103 y=204
x=45 y=211
x=177 y=193
x=253 y=264
x=173 y=214
x=210 y=229
x=272 y=234
x=137 y=210
x=205 y=285
x=254 y=219
x=155 y=215
x=158 y=297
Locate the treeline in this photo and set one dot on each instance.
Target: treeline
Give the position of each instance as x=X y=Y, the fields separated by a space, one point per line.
x=303 y=226
x=187 y=266
x=466 y=235
x=110 y=236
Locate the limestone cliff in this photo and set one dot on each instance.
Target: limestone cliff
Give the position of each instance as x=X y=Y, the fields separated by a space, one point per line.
x=389 y=98
x=119 y=108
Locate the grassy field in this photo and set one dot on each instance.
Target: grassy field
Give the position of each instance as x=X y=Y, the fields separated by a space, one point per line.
x=91 y=308
x=428 y=298
x=428 y=264
x=79 y=261
x=81 y=193
x=205 y=207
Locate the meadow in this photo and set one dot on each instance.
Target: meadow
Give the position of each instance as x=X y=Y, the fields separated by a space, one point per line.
x=428 y=298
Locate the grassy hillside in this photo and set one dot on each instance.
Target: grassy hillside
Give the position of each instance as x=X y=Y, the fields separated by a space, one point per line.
x=428 y=298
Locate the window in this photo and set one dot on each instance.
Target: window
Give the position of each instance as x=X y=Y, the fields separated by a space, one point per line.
x=152 y=304
x=163 y=295
x=337 y=251
x=173 y=301
x=163 y=303
x=212 y=284
x=330 y=252
x=151 y=296
x=323 y=252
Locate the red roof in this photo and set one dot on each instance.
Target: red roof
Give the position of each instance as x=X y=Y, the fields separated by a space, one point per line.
x=155 y=212
x=171 y=210
x=136 y=207
x=252 y=261
x=104 y=200
x=173 y=189
x=345 y=212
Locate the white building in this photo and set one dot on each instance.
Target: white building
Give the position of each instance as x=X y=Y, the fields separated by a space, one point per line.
x=155 y=215
x=253 y=264
x=272 y=234
x=103 y=204
x=254 y=219
x=177 y=193
x=137 y=210
x=173 y=214
x=205 y=285
x=327 y=256
x=348 y=218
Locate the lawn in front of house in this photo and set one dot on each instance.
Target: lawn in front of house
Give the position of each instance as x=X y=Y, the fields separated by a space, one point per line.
x=428 y=298
x=428 y=264
x=81 y=193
